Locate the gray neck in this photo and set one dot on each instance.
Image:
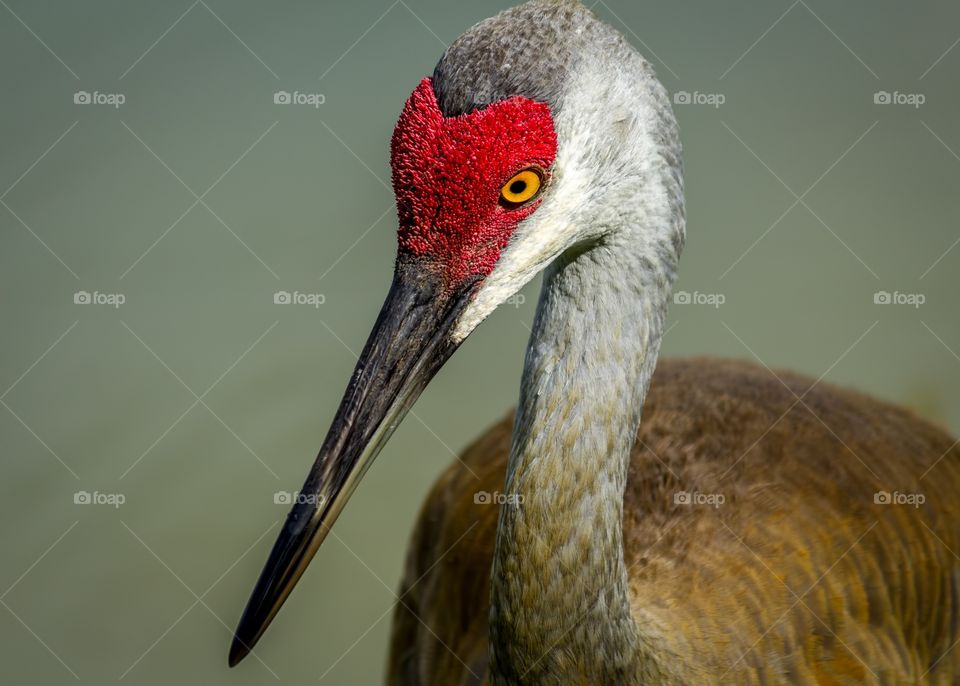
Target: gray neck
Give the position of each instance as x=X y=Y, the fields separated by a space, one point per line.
x=560 y=604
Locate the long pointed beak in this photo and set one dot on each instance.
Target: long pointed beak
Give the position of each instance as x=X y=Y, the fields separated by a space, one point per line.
x=409 y=343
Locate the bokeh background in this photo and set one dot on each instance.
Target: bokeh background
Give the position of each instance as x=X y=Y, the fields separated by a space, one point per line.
x=198 y=198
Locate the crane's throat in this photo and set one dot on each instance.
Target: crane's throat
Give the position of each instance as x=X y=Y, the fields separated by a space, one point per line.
x=560 y=601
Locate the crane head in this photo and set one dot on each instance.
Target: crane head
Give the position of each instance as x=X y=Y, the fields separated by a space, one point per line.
x=464 y=183
x=526 y=143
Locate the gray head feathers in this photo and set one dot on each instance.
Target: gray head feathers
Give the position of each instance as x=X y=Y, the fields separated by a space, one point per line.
x=527 y=50
x=618 y=173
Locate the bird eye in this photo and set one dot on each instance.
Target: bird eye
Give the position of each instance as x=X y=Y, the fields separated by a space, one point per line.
x=523 y=187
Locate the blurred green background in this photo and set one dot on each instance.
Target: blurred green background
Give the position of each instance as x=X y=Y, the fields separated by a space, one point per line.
x=199 y=398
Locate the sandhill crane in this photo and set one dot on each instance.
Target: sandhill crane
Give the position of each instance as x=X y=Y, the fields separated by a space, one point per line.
x=543 y=141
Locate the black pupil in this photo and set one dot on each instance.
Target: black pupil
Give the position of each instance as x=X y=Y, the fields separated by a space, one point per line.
x=518 y=187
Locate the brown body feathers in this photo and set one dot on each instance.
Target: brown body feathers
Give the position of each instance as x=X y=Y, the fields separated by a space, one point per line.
x=760 y=546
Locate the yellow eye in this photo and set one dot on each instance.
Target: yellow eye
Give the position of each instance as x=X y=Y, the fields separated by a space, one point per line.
x=521 y=187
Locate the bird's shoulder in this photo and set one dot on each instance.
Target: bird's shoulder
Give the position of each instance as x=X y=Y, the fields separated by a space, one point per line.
x=749 y=512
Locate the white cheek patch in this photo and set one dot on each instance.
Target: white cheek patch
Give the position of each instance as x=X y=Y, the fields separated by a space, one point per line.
x=601 y=180
x=536 y=241
x=546 y=233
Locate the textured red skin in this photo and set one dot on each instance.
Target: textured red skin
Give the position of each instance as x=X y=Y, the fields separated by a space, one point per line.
x=447 y=175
